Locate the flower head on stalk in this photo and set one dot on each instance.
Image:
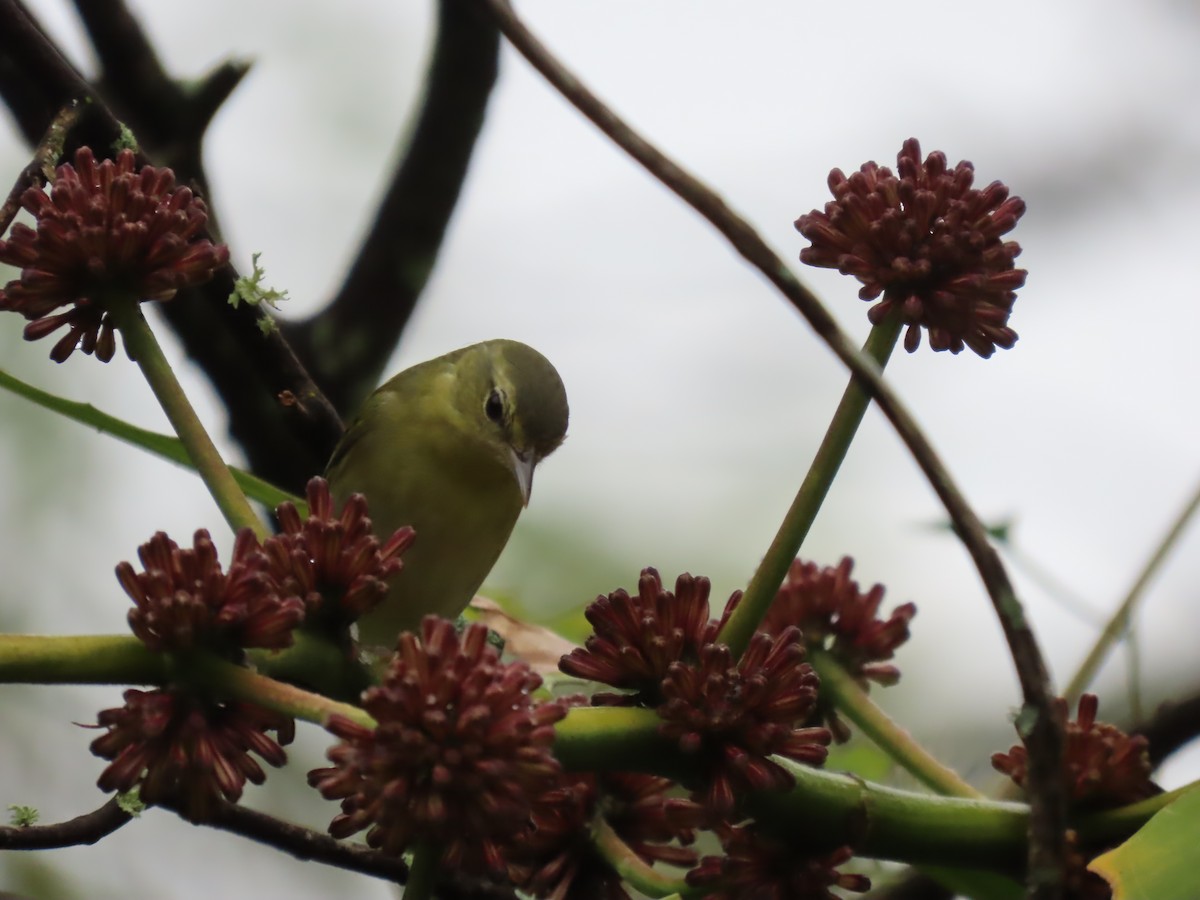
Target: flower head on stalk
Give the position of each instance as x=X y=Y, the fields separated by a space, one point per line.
x=733 y=715
x=758 y=865
x=332 y=559
x=183 y=599
x=838 y=617
x=1104 y=766
x=636 y=638
x=929 y=243
x=459 y=754
x=559 y=853
x=104 y=229
x=183 y=749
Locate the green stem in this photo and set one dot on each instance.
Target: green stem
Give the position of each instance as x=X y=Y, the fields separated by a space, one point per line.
x=243 y=684
x=119 y=659
x=632 y=868
x=422 y=874
x=144 y=349
x=852 y=702
x=163 y=445
x=744 y=620
x=83 y=659
x=1119 y=623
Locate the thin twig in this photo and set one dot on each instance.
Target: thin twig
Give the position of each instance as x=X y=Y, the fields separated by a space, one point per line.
x=1042 y=733
x=304 y=843
x=41 y=168
x=85 y=829
x=315 y=846
x=1119 y=623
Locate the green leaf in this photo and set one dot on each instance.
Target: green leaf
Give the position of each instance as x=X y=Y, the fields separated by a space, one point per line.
x=165 y=446
x=1158 y=861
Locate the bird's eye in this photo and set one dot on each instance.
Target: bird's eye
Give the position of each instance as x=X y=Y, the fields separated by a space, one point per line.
x=493 y=407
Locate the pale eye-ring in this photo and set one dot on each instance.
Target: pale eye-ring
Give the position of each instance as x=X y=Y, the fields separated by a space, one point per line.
x=493 y=407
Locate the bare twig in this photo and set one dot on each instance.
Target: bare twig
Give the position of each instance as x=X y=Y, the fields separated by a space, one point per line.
x=1119 y=623
x=1042 y=734
x=85 y=829
x=41 y=168
x=309 y=845
x=347 y=344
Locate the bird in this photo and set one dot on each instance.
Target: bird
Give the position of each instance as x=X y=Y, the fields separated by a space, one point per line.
x=449 y=446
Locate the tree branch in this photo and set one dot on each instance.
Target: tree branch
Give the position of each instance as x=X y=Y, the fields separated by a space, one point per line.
x=85 y=829
x=348 y=343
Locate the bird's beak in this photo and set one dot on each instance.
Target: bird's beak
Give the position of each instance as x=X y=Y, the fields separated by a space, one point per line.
x=522 y=469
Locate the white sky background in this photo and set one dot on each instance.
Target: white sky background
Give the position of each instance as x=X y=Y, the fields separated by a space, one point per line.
x=698 y=396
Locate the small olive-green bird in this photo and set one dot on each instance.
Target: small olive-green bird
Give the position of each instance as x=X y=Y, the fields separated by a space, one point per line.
x=449 y=447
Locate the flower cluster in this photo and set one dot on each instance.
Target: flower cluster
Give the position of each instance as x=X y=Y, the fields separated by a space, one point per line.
x=1104 y=766
x=558 y=853
x=636 y=638
x=183 y=599
x=178 y=741
x=459 y=749
x=836 y=616
x=105 y=229
x=929 y=243
x=187 y=750
x=734 y=715
x=759 y=866
x=333 y=561
x=826 y=604
x=730 y=715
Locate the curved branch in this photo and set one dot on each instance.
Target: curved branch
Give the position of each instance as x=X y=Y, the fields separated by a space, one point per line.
x=309 y=845
x=85 y=829
x=348 y=343
x=1043 y=735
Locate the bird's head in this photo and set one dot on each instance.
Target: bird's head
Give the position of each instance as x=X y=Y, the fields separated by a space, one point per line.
x=523 y=406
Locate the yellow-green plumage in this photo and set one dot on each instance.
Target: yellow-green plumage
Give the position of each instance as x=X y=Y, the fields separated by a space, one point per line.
x=449 y=447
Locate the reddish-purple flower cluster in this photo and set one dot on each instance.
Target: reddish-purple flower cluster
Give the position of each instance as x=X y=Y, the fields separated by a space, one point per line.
x=557 y=856
x=826 y=604
x=756 y=865
x=459 y=751
x=635 y=639
x=929 y=243
x=1104 y=766
x=177 y=741
x=333 y=561
x=837 y=617
x=184 y=749
x=183 y=599
x=731 y=715
x=105 y=229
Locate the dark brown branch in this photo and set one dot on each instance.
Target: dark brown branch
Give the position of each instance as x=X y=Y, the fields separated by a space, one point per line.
x=315 y=846
x=168 y=116
x=348 y=343
x=85 y=829
x=286 y=441
x=305 y=843
x=1043 y=737
x=1174 y=725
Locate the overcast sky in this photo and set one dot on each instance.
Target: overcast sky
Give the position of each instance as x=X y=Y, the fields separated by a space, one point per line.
x=697 y=395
